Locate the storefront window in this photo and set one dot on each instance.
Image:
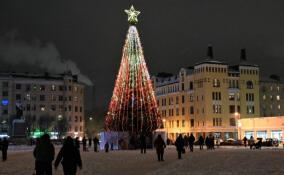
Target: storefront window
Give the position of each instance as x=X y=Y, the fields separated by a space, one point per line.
x=276 y=134
x=261 y=134
x=248 y=134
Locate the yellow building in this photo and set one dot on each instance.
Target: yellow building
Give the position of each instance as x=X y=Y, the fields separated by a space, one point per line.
x=209 y=97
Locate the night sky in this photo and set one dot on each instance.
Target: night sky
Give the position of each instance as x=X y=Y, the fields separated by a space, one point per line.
x=174 y=34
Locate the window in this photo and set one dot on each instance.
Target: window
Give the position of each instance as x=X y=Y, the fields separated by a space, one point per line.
x=76 y=89
x=42 y=88
x=177 y=123
x=191 y=98
x=191 y=122
x=278 y=97
x=190 y=85
x=177 y=111
x=34 y=87
x=42 y=97
x=216 y=83
x=18 y=86
x=232 y=109
x=232 y=122
x=177 y=100
x=5 y=93
x=76 y=118
x=231 y=96
x=60 y=98
x=261 y=134
x=183 y=123
x=70 y=118
x=81 y=108
x=80 y=118
x=5 y=84
x=70 y=98
x=183 y=111
x=191 y=110
x=182 y=99
x=53 y=107
x=70 y=88
x=18 y=96
x=42 y=107
x=53 y=97
x=70 y=108
x=214 y=122
x=250 y=109
x=53 y=87
x=264 y=97
x=249 y=85
x=217 y=109
x=28 y=97
x=75 y=99
x=5 y=111
x=76 y=108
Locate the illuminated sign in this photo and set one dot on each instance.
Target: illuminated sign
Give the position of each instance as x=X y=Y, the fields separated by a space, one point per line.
x=4 y=102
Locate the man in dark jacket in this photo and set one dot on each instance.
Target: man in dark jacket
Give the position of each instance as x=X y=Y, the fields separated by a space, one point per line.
x=70 y=157
x=84 y=141
x=201 y=142
x=44 y=155
x=143 y=143
x=207 y=142
x=191 y=140
x=96 y=143
x=90 y=142
x=4 y=147
x=245 y=141
x=179 y=145
x=160 y=146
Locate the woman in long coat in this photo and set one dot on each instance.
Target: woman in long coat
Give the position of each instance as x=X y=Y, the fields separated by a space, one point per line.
x=160 y=146
x=70 y=156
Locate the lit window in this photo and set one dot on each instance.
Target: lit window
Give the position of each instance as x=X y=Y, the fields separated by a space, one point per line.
x=271 y=88
x=278 y=88
x=264 y=97
x=278 y=97
x=35 y=87
x=28 y=97
x=75 y=99
x=279 y=106
x=53 y=88
x=75 y=89
x=42 y=107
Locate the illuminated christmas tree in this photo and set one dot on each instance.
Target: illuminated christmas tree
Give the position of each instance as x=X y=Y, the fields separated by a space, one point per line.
x=133 y=106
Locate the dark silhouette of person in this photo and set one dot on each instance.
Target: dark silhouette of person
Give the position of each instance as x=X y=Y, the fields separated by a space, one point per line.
x=191 y=140
x=186 y=141
x=160 y=146
x=77 y=143
x=4 y=148
x=69 y=156
x=251 y=142
x=106 y=147
x=84 y=141
x=143 y=144
x=201 y=142
x=90 y=142
x=211 y=142
x=44 y=155
x=96 y=143
x=179 y=145
x=245 y=141
x=0 y=144
x=207 y=142
x=111 y=146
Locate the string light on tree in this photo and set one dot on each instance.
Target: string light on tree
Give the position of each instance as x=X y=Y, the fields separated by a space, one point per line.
x=133 y=106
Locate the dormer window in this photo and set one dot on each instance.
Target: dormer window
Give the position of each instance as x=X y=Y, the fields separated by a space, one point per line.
x=249 y=85
x=216 y=83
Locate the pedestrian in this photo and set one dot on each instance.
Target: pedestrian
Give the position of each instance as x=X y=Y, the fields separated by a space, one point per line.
x=207 y=142
x=69 y=156
x=0 y=144
x=4 y=148
x=160 y=146
x=218 y=142
x=106 y=147
x=201 y=142
x=90 y=142
x=185 y=141
x=44 y=155
x=96 y=143
x=143 y=144
x=251 y=142
x=245 y=141
x=179 y=145
x=77 y=143
x=111 y=146
x=84 y=141
x=191 y=140
x=211 y=142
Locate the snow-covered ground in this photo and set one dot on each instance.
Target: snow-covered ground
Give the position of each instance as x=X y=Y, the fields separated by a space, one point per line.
x=220 y=161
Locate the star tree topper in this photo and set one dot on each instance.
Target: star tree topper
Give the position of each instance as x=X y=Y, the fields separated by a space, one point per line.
x=132 y=15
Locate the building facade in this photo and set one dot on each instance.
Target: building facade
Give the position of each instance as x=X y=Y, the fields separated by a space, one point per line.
x=210 y=97
x=271 y=97
x=37 y=95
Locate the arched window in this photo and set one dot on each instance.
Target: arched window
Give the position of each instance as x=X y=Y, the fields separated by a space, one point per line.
x=216 y=83
x=249 y=85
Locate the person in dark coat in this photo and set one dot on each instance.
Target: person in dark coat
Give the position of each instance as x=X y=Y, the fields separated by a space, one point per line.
x=69 y=156
x=143 y=144
x=0 y=144
x=201 y=142
x=44 y=155
x=245 y=141
x=191 y=140
x=84 y=141
x=160 y=146
x=207 y=142
x=4 y=148
x=90 y=142
x=211 y=142
x=186 y=141
x=179 y=145
x=96 y=143
x=106 y=147
x=77 y=143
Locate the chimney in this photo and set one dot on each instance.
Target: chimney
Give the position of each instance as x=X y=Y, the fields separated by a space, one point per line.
x=243 y=55
x=210 y=52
